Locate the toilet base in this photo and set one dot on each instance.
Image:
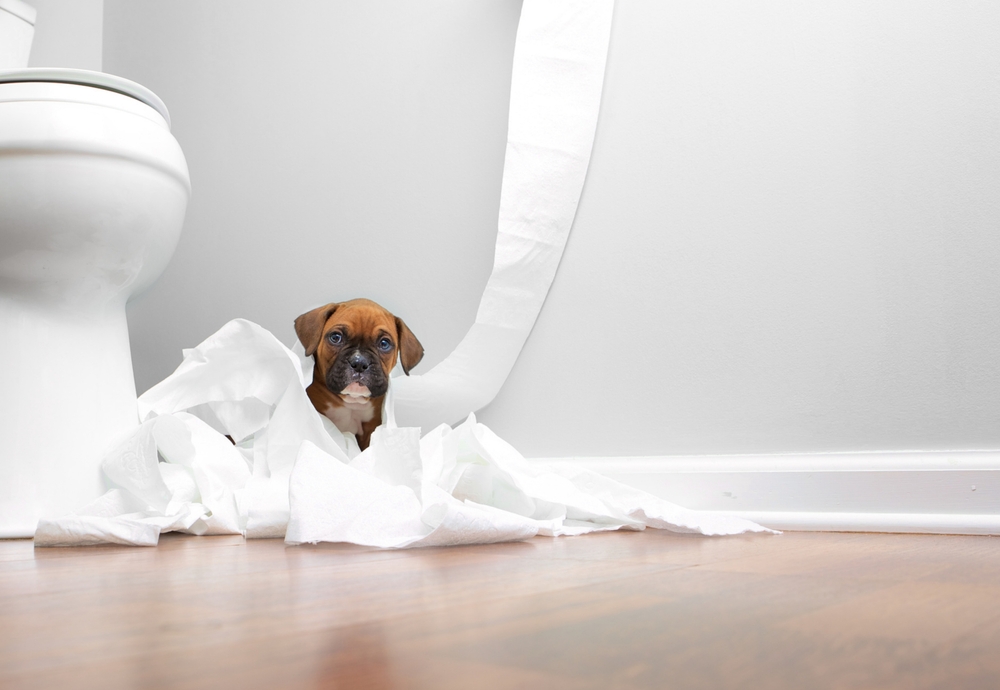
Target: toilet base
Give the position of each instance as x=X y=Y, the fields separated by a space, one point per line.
x=69 y=394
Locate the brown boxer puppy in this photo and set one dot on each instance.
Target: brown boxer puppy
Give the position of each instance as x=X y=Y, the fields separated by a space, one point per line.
x=354 y=345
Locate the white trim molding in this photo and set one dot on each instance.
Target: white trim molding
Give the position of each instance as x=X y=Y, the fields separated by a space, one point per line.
x=938 y=492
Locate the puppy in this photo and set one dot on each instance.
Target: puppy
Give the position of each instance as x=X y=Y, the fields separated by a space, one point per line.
x=355 y=345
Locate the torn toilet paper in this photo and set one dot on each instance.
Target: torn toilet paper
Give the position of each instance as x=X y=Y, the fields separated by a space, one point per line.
x=288 y=471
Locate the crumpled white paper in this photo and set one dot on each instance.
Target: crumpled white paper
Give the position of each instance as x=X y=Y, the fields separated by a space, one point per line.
x=240 y=382
x=292 y=473
x=555 y=94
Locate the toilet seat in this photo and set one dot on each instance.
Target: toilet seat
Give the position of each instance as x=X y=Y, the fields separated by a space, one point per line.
x=83 y=77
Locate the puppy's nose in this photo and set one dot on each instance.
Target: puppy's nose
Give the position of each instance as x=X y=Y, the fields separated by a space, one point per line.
x=358 y=362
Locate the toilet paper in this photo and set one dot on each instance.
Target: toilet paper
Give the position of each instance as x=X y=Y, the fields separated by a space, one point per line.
x=555 y=95
x=288 y=472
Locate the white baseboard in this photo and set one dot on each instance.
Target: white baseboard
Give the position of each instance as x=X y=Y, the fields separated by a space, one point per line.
x=938 y=492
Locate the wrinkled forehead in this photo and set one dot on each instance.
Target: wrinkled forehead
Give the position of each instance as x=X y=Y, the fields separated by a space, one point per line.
x=365 y=320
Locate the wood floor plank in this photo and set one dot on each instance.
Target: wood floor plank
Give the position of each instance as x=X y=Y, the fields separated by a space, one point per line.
x=615 y=610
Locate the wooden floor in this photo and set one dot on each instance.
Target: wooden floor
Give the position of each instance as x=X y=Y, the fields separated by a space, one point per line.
x=620 y=610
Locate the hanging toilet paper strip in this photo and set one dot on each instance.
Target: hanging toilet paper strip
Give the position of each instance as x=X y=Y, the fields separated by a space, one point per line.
x=559 y=60
x=288 y=472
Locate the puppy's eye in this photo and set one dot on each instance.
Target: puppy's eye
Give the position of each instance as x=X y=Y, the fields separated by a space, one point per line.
x=335 y=338
x=385 y=344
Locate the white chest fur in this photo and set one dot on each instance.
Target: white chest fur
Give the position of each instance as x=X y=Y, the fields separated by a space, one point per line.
x=348 y=418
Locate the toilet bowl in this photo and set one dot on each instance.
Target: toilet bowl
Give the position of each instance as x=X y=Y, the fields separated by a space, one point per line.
x=93 y=191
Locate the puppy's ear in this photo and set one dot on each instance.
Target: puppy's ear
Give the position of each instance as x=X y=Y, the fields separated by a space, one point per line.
x=309 y=326
x=410 y=349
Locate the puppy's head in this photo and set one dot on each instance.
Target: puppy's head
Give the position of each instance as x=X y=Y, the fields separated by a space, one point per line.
x=355 y=345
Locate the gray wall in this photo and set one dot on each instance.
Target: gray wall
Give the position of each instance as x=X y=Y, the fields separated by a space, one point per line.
x=337 y=150
x=67 y=34
x=787 y=240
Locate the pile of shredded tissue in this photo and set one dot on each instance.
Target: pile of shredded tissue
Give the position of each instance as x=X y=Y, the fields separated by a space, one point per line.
x=289 y=472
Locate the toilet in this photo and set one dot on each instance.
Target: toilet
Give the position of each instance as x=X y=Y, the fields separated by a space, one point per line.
x=93 y=191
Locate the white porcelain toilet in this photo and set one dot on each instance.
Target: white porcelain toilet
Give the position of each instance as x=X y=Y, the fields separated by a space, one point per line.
x=93 y=191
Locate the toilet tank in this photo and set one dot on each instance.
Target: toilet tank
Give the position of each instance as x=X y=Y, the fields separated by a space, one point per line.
x=17 y=28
